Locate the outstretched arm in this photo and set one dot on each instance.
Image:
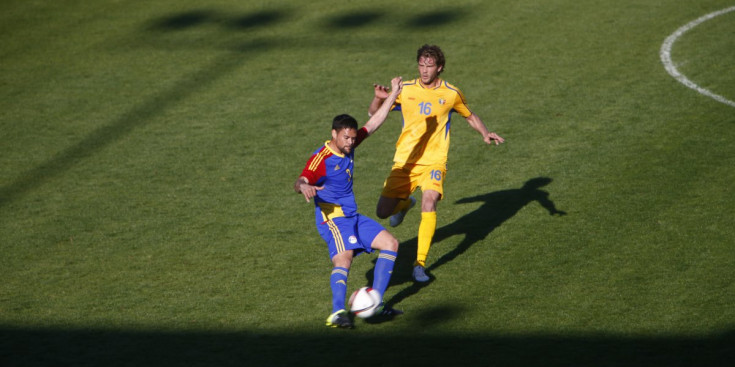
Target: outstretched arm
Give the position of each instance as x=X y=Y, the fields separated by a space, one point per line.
x=480 y=127
x=543 y=199
x=381 y=93
x=379 y=115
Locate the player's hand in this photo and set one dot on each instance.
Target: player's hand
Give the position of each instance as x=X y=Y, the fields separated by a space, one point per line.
x=396 y=84
x=493 y=138
x=381 y=91
x=309 y=191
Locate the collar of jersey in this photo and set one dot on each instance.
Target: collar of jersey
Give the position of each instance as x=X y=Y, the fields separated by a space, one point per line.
x=326 y=144
x=418 y=81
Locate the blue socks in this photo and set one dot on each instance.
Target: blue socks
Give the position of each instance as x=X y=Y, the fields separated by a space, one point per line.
x=338 y=283
x=381 y=278
x=383 y=270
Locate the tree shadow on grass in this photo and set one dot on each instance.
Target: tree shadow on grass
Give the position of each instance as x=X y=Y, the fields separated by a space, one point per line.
x=497 y=207
x=196 y=18
x=142 y=113
x=353 y=20
x=162 y=33
x=182 y=20
x=436 y=18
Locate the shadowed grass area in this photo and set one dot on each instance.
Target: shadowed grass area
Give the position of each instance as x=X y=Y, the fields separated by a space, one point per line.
x=90 y=347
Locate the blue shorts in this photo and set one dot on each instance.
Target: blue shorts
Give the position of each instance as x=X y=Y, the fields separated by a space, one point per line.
x=349 y=233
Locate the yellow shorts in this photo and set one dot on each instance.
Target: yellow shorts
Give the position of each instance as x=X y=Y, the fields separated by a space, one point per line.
x=405 y=178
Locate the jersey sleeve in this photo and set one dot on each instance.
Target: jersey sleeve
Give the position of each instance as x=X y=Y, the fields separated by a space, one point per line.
x=460 y=103
x=397 y=104
x=362 y=134
x=315 y=168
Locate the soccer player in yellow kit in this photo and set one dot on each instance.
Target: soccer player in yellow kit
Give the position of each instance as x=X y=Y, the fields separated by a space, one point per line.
x=427 y=104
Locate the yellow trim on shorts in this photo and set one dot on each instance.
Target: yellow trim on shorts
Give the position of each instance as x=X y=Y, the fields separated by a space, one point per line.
x=338 y=243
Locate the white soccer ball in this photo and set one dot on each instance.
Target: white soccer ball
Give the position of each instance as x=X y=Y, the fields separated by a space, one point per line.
x=364 y=302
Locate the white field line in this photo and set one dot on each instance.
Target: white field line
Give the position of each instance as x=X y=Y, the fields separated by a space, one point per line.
x=669 y=65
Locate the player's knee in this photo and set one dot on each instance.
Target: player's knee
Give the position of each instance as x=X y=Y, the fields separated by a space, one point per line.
x=428 y=202
x=343 y=259
x=428 y=206
x=391 y=244
x=385 y=241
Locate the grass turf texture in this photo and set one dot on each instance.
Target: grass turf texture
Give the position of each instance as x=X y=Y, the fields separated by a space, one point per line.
x=148 y=153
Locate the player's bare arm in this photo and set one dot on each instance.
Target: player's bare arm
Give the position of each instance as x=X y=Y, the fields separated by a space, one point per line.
x=378 y=117
x=302 y=186
x=489 y=137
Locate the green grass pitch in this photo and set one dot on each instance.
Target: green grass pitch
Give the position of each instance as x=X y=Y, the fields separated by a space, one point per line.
x=148 y=151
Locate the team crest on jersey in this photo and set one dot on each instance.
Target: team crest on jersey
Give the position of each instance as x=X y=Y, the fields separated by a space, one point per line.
x=442 y=101
x=352 y=239
x=336 y=167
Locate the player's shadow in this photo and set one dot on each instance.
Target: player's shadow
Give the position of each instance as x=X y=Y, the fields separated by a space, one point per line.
x=497 y=207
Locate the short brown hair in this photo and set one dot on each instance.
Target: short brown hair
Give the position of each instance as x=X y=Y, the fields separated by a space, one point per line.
x=434 y=52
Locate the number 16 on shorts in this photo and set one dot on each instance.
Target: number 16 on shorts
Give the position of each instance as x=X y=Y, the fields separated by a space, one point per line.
x=435 y=180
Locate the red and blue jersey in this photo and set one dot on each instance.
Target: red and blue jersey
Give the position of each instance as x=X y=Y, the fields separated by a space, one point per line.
x=333 y=171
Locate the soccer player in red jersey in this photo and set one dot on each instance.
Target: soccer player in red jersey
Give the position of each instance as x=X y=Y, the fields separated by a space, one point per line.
x=327 y=180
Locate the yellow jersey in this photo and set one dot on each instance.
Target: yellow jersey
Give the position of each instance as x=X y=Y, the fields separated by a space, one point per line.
x=427 y=114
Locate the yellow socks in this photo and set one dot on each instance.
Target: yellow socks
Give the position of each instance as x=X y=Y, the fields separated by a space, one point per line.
x=426 y=234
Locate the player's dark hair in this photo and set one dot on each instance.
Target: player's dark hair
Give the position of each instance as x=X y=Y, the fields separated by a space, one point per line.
x=434 y=52
x=344 y=121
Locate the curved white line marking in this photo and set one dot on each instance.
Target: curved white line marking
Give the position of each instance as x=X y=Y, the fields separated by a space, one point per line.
x=666 y=56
